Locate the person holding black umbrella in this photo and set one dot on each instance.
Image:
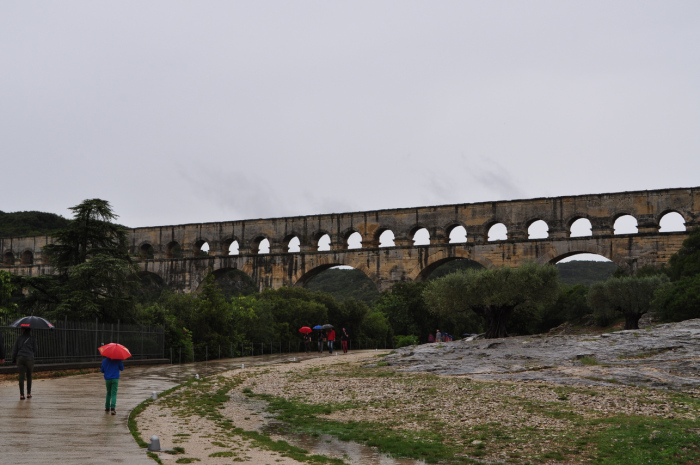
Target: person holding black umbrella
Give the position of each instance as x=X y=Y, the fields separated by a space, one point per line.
x=23 y=355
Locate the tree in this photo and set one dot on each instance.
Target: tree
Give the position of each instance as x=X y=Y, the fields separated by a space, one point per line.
x=375 y=327
x=680 y=301
x=686 y=262
x=352 y=314
x=571 y=306
x=7 y=288
x=629 y=296
x=93 y=272
x=494 y=294
x=405 y=309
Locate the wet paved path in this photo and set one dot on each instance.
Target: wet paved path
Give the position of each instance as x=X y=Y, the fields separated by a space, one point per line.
x=65 y=421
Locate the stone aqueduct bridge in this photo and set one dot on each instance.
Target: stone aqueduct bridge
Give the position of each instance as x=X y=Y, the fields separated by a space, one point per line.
x=185 y=268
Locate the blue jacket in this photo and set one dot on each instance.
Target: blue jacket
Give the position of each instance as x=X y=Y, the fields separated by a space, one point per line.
x=111 y=368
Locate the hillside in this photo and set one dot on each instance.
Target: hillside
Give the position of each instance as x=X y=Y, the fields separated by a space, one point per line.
x=585 y=272
x=30 y=223
x=345 y=284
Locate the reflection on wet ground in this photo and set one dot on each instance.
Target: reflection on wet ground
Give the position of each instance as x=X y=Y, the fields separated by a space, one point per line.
x=351 y=452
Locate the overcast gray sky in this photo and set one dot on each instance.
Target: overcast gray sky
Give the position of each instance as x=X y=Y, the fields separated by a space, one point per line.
x=182 y=112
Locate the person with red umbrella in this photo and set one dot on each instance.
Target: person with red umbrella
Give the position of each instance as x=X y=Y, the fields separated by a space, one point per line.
x=306 y=331
x=113 y=362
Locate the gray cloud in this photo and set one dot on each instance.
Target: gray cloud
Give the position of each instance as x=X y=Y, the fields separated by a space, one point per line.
x=183 y=112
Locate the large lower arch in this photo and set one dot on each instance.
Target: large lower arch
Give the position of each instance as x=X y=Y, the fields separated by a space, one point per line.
x=149 y=286
x=343 y=283
x=233 y=282
x=429 y=261
x=427 y=271
x=561 y=257
x=303 y=279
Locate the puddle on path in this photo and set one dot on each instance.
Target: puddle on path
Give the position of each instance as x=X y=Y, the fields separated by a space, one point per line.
x=350 y=452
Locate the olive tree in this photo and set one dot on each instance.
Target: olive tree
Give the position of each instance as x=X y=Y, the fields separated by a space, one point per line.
x=628 y=296
x=494 y=294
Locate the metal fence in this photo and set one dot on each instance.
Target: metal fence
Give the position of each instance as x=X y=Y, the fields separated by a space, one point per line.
x=247 y=349
x=78 y=341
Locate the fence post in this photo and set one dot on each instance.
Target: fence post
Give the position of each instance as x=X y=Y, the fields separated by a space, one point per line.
x=96 y=337
x=65 y=339
x=118 y=324
x=171 y=355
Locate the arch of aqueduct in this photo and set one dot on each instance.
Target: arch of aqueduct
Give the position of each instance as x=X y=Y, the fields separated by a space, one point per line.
x=404 y=261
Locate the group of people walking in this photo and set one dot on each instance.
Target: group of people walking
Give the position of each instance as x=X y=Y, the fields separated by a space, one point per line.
x=327 y=337
x=439 y=337
x=24 y=351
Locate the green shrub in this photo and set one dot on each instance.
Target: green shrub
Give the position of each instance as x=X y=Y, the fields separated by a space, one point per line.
x=403 y=341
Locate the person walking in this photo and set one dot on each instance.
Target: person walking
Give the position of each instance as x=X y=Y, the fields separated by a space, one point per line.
x=331 y=340
x=321 y=338
x=307 y=342
x=23 y=355
x=438 y=336
x=111 y=369
x=344 y=339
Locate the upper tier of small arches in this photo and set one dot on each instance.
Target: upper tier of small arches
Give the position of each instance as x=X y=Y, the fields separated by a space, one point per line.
x=640 y=212
x=385 y=237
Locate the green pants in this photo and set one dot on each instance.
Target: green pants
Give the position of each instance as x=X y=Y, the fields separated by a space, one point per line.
x=111 y=399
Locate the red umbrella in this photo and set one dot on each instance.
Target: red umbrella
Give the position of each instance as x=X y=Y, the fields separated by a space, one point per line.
x=305 y=330
x=114 y=351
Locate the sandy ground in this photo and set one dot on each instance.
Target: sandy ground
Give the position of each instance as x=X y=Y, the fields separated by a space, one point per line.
x=201 y=437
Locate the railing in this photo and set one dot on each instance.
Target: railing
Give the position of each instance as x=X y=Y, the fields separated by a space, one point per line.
x=78 y=341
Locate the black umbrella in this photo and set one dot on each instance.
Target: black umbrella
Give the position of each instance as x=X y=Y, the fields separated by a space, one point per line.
x=327 y=327
x=33 y=322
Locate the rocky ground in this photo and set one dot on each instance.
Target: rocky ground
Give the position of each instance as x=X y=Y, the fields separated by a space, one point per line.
x=662 y=357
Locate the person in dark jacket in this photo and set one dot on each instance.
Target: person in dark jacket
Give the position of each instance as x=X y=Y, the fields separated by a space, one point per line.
x=23 y=355
x=111 y=369
x=321 y=340
x=344 y=336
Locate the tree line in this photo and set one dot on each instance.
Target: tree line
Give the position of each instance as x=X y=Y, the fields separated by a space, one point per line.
x=31 y=223
x=96 y=278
